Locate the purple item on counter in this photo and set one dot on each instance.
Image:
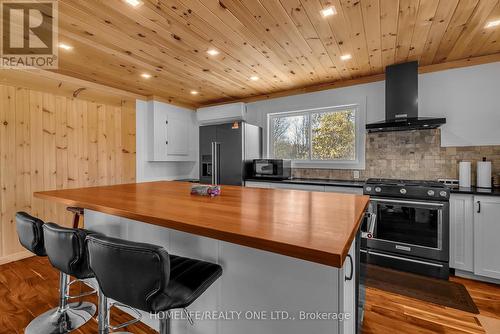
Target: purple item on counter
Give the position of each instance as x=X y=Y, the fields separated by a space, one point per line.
x=205 y=190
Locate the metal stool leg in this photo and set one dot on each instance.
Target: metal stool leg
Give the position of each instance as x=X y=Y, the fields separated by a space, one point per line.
x=66 y=317
x=165 y=325
x=103 y=316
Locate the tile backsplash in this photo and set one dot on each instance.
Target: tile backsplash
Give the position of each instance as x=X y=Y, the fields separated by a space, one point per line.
x=411 y=155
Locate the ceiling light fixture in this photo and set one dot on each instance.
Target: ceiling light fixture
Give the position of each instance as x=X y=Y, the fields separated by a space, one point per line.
x=146 y=75
x=254 y=78
x=134 y=3
x=65 y=46
x=345 y=57
x=329 y=11
x=213 y=52
x=492 y=24
x=194 y=92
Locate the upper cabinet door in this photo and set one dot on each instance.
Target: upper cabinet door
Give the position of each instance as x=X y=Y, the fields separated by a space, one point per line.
x=462 y=232
x=177 y=135
x=172 y=133
x=486 y=236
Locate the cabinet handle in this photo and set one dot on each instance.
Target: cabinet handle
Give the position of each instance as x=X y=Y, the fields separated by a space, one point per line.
x=478 y=206
x=348 y=278
x=166 y=142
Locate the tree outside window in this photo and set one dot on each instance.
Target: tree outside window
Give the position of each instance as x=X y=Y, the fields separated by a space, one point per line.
x=314 y=135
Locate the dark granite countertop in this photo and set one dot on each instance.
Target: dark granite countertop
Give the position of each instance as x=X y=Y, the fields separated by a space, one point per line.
x=321 y=182
x=360 y=184
x=476 y=191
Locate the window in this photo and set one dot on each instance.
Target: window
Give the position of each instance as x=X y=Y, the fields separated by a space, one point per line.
x=326 y=137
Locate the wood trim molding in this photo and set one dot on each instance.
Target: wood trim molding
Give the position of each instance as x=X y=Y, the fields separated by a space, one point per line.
x=178 y=104
x=15 y=257
x=472 y=61
x=64 y=85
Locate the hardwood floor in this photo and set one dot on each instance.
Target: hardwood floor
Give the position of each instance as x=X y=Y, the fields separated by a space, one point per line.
x=391 y=313
x=29 y=287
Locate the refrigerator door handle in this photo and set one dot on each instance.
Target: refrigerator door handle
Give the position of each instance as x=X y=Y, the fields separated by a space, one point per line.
x=213 y=163
x=216 y=163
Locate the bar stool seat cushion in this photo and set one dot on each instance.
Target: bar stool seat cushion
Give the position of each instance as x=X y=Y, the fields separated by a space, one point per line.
x=145 y=276
x=189 y=278
x=66 y=249
x=30 y=233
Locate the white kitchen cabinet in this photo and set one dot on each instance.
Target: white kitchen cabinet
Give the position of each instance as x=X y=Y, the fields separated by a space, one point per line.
x=344 y=190
x=347 y=283
x=462 y=232
x=486 y=236
x=170 y=133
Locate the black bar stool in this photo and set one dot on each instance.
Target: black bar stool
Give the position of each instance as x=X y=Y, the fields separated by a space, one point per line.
x=66 y=250
x=66 y=317
x=145 y=277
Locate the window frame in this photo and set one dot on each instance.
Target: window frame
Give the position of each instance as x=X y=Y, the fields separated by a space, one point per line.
x=357 y=163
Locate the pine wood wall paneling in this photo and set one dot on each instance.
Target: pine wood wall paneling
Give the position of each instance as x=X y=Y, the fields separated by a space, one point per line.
x=128 y=142
x=8 y=176
x=53 y=142
x=62 y=165
x=49 y=151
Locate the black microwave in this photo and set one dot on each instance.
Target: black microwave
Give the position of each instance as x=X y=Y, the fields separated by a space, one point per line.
x=272 y=169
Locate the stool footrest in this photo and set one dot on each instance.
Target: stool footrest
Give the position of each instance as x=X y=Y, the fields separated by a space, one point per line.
x=84 y=294
x=128 y=323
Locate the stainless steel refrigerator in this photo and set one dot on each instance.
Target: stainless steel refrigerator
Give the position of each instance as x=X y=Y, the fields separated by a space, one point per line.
x=227 y=151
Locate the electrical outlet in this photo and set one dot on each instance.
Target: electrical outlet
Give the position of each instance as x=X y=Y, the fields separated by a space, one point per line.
x=355 y=174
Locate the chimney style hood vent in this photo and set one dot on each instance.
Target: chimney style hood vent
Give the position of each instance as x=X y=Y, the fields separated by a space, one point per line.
x=401 y=101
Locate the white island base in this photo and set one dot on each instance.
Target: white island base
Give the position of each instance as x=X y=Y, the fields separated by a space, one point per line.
x=258 y=290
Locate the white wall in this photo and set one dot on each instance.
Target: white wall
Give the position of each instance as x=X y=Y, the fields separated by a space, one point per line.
x=468 y=97
x=155 y=171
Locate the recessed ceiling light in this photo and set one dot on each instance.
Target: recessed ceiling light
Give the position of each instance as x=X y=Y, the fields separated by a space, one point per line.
x=492 y=24
x=254 y=78
x=213 y=52
x=65 y=46
x=329 y=11
x=146 y=75
x=134 y=3
x=194 y=92
x=346 y=57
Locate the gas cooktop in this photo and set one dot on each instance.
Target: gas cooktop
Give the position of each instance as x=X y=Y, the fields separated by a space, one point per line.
x=406 y=183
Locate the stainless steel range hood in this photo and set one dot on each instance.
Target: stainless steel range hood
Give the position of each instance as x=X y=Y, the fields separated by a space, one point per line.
x=401 y=101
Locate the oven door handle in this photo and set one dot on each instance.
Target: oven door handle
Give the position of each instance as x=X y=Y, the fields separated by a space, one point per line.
x=406 y=202
x=372 y=221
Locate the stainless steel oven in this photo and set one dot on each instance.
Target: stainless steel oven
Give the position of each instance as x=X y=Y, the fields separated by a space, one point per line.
x=413 y=228
x=407 y=227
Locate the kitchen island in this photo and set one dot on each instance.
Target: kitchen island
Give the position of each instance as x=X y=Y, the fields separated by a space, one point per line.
x=288 y=256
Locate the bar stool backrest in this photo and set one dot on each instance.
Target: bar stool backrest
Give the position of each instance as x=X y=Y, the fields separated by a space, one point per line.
x=66 y=249
x=30 y=233
x=129 y=272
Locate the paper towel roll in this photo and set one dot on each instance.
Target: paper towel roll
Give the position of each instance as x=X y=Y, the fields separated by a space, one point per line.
x=464 y=172
x=484 y=174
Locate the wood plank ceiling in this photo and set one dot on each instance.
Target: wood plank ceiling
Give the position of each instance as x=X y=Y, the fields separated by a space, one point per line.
x=287 y=44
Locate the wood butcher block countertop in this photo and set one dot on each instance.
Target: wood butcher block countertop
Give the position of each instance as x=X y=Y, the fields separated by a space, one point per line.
x=314 y=226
